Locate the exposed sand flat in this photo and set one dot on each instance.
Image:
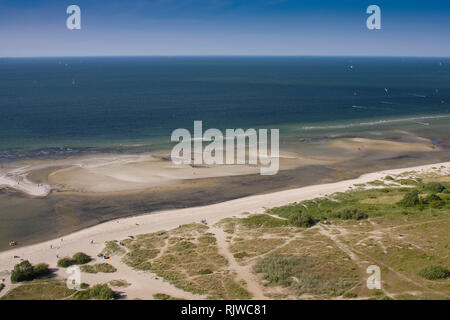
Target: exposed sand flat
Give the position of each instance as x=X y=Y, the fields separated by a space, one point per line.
x=144 y=284
x=126 y=173
x=146 y=173
x=16 y=179
x=362 y=144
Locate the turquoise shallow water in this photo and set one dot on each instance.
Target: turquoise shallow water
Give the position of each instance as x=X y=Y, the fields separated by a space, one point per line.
x=73 y=105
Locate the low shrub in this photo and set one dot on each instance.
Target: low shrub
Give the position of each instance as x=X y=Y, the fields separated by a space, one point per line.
x=277 y=269
x=99 y=267
x=99 y=292
x=435 y=187
x=434 y=272
x=263 y=220
x=162 y=296
x=240 y=255
x=301 y=219
x=41 y=269
x=349 y=295
x=435 y=201
x=349 y=214
x=65 y=262
x=25 y=271
x=81 y=258
x=77 y=258
x=411 y=199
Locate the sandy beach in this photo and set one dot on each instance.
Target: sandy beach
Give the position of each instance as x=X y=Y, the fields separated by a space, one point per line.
x=145 y=284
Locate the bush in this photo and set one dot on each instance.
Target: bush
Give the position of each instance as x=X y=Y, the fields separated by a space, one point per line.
x=84 y=285
x=99 y=291
x=99 y=267
x=263 y=220
x=349 y=295
x=162 y=296
x=22 y=272
x=350 y=214
x=301 y=219
x=434 y=272
x=81 y=258
x=41 y=269
x=411 y=199
x=435 y=201
x=77 y=258
x=435 y=187
x=65 y=262
x=277 y=269
x=25 y=271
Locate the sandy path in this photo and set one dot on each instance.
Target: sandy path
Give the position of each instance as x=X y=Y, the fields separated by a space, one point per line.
x=243 y=272
x=165 y=220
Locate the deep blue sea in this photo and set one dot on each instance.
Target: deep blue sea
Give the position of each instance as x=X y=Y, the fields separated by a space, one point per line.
x=64 y=105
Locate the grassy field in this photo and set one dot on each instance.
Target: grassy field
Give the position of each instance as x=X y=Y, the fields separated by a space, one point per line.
x=40 y=290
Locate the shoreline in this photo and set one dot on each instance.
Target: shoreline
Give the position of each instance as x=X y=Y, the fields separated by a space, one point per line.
x=119 y=229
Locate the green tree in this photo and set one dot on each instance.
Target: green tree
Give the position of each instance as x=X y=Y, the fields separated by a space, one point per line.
x=23 y=271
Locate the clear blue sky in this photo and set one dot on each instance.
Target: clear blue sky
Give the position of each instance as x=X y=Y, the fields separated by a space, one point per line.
x=224 y=27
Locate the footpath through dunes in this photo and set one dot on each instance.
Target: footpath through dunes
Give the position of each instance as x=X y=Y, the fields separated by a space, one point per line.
x=92 y=240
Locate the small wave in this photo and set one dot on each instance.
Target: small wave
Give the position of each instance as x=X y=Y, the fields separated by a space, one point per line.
x=359 y=107
x=387 y=102
x=372 y=123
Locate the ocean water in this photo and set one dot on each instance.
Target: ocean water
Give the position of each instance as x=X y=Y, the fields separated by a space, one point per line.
x=51 y=106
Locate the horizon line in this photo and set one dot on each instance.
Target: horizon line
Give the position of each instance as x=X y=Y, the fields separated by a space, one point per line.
x=223 y=56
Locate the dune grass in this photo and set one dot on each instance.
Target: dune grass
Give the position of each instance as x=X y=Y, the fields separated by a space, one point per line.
x=98 y=267
x=40 y=290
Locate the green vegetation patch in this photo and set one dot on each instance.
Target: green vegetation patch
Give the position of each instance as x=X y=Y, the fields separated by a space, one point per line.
x=78 y=258
x=302 y=275
x=163 y=296
x=40 y=290
x=25 y=271
x=113 y=248
x=97 y=292
x=119 y=283
x=263 y=220
x=98 y=267
x=434 y=272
